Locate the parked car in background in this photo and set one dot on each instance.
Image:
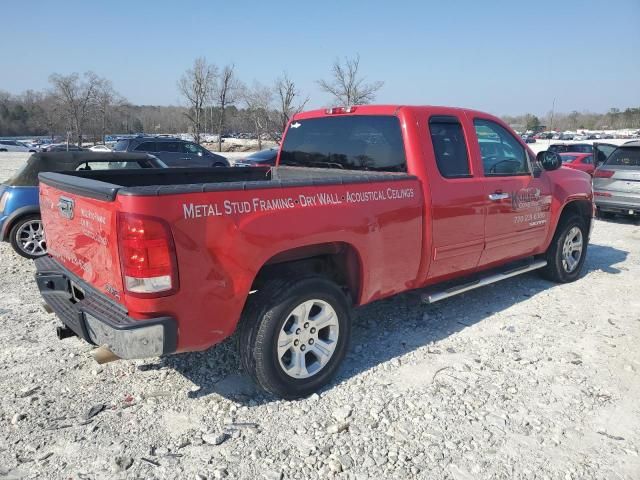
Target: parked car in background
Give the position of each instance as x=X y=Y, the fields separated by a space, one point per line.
x=259 y=159
x=62 y=147
x=603 y=150
x=12 y=146
x=616 y=184
x=20 y=221
x=172 y=151
x=578 y=161
x=31 y=145
x=100 y=148
x=528 y=138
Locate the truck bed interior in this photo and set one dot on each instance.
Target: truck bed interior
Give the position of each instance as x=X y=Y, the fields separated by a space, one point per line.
x=106 y=184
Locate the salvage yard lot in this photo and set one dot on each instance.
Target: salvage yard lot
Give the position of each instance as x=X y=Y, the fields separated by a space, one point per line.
x=522 y=379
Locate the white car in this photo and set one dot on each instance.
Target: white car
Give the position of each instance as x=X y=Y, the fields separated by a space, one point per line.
x=100 y=148
x=12 y=146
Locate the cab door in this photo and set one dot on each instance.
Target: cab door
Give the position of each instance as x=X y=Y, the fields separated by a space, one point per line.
x=457 y=198
x=517 y=199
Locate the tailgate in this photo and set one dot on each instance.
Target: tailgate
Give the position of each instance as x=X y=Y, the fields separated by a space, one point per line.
x=625 y=179
x=81 y=235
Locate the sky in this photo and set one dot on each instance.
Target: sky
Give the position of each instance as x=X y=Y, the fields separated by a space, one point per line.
x=503 y=57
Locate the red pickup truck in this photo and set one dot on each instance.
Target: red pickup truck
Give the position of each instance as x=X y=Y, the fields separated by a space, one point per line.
x=366 y=202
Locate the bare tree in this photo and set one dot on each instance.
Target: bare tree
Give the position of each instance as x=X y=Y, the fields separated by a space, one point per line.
x=197 y=85
x=76 y=97
x=226 y=90
x=346 y=87
x=287 y=96
x=107 y=102
x=258 y=99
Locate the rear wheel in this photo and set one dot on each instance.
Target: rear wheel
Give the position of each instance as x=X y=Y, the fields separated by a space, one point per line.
x=27 y=237
x=294 y=335
x=567 y=252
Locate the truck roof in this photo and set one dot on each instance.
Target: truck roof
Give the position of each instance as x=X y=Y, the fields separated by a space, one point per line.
x=380 y=110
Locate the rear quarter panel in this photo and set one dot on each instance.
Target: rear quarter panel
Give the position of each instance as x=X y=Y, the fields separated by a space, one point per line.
x=223 y=239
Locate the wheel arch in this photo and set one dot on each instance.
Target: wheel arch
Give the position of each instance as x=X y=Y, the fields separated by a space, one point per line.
x=338 y=261
x=14 y=217
x=580 y=207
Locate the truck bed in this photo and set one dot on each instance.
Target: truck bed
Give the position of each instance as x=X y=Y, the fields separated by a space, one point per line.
x=107 y=184
x=226 y=224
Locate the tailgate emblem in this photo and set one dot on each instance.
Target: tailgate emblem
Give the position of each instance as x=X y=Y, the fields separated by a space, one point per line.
x=65 y=205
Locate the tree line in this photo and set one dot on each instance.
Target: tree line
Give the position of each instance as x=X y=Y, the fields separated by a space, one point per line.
x=614 y=119
x=217 y=102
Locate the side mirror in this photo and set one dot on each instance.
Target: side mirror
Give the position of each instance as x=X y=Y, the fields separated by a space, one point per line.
x=549 y=160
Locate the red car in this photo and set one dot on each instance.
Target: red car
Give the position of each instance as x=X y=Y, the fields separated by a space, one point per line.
x=365 y=202
x=578 y=161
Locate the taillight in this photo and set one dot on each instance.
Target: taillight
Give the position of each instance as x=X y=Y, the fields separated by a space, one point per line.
x=604 y=173
x=147 y=256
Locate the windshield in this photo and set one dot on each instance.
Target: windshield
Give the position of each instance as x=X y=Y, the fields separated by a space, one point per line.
x=624 y=157
x=354 y=142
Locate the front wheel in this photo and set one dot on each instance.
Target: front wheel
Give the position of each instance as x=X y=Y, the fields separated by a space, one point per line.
x=568 y=250
x=27 y=237
x=294 y=335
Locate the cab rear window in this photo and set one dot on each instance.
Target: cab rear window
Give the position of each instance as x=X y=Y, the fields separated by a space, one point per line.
x=624 y=157
x=354 y=142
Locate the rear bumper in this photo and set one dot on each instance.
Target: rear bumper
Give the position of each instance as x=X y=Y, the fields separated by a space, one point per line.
x=617 y=206
x=100 y=321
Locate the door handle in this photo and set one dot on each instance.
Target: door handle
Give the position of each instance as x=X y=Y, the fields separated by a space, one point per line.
x=494 y=197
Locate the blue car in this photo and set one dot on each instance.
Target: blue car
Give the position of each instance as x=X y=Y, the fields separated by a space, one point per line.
x=20 y=222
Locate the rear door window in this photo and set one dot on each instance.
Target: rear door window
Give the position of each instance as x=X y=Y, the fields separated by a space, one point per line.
x=449 y=146
x=588 y=159
x=502 y=154
x=146 y=147
x=604 y=150
x=121 y=146
x=581 y=148
x=171 y=147
x=353 y=142
x=192 y=148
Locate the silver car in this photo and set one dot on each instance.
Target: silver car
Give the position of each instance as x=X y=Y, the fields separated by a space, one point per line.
x=616 y=183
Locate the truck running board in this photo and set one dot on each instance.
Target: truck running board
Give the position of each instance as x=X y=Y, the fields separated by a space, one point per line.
x=436 y=296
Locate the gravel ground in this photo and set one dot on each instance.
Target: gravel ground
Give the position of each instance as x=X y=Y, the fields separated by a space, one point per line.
x=523 y=379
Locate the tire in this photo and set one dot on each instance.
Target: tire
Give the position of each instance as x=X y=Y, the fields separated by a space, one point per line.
x=285 y=311
x=560 y=268
x=3 y=149
x=28 y=227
